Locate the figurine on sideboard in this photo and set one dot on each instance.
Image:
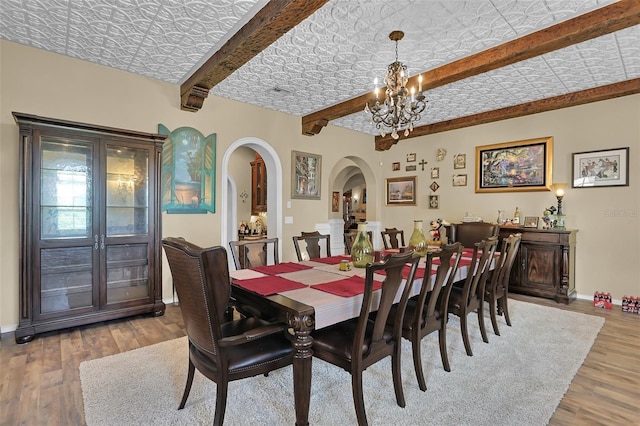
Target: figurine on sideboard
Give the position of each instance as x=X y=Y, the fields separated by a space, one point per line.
x=547 y=219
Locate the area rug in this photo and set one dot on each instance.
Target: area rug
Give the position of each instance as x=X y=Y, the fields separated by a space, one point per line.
x=517 y=378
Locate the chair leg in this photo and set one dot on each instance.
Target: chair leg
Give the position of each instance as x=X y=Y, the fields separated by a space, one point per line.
x=221 y=402
x=505 y=308
x=397 y=376
x=483 y=328
x=442 y=337
x=465 y=333
x=187 y=386
x=417 y=363
x=493 y=308
x=358 y=399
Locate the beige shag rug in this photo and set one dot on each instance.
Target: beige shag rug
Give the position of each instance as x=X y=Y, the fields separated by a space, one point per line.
x=517 y=379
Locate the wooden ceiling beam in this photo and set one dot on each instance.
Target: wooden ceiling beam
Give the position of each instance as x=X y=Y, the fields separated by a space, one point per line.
x=274 y=20
x=610 y=18
x=615 y=90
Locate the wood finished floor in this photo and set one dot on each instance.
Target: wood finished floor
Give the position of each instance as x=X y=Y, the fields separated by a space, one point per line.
x=40 y=383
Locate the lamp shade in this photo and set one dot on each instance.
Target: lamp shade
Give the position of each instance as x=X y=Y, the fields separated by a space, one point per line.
x=559 y=189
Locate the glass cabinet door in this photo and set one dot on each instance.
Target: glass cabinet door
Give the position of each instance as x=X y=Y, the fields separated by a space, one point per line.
x=66 y=245
x=127 y=224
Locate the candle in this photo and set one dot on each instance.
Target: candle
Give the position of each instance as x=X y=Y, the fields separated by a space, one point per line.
x=420 y=83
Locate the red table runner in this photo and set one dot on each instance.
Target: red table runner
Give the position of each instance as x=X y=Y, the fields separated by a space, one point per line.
x=347 y=287
x=405 y=272
x=332 y=260
x=266 y=286
x=280 y=268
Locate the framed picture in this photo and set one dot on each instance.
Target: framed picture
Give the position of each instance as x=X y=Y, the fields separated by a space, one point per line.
x=335 y=201
x=601 y=168
x=395 y=167
x=401 y=191
x=515 y=166
x=435 y=173
x=434 y=186
x=460 y=180
x=460 y=161
x=410 y=168
x=305 y=175
x=434 y=201
x=531 y=221
x=411 y=157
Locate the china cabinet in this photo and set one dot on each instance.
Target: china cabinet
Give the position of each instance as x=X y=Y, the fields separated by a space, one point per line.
x=258 y=186
x=90 y=224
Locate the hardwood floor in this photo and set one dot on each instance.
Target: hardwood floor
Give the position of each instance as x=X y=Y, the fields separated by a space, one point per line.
x=40 y=382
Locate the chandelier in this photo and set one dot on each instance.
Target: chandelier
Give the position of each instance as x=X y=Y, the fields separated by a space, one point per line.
x=400 y=108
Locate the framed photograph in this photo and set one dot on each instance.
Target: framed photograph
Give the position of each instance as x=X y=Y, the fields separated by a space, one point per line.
x=306 y=171
x=515 y=166
x=531 y=221
x=460 y=180
x=395 y=167
x=335 y=201
x=434 y=201
x=410 y=168
x=401 y=191
x=601 y=168
x=460 y=161
x=411 y=157
x=435 y=173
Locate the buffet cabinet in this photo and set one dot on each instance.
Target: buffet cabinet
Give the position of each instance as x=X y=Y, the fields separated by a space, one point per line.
x=258 y=186
x=90 y=224
x=545 y=264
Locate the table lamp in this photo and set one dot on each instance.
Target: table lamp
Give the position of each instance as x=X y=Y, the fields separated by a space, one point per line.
x=559 y=190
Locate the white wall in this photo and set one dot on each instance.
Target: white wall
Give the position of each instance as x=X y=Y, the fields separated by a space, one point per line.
x=37 y=82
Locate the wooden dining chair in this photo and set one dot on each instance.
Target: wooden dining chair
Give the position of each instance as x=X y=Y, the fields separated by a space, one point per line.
x=359 y=343
x=469 y=296
x=312 y=243
x=222 y=351
x=247 y=254
x=427 y=312
x=469 y=233
x=350 y=237
x=390 y=238
x=497 y=289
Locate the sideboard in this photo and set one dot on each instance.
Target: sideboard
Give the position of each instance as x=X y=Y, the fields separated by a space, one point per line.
x=545 y=264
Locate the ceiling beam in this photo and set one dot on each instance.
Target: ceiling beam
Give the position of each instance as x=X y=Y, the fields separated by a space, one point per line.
x=615 y=90
x=274 y=20
x=614 y=17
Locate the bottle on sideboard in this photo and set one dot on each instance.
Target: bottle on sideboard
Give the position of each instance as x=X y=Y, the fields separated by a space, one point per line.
x=516 y=217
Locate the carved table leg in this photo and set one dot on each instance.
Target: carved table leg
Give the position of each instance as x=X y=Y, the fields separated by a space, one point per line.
x=302 y=326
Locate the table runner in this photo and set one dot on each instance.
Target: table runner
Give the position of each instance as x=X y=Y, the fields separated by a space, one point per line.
x=332 y=260
x=271 y=284
x=280 y=268
x=347 y=287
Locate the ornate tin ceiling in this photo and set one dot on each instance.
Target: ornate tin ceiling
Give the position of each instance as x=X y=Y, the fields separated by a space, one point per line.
x=336 y=53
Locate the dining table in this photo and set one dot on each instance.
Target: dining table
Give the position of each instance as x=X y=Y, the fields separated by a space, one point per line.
x=313 y=294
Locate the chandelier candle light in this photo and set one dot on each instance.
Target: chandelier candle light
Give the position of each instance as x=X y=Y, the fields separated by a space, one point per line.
x=399 y=111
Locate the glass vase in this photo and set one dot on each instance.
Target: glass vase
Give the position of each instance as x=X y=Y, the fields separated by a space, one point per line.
x=418 y=241
x=362 y=249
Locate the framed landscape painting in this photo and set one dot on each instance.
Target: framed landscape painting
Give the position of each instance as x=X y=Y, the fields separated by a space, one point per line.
x=401 y=191
x=601 y=168
x=515 y=166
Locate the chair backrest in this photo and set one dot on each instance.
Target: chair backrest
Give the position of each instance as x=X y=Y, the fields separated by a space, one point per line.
x=201 y=279
x=483 y=254
x=470 y=233
x=393 y=282
x=390 y=238
x=350 y=237
x=310 y=242
x=502 y=271
x=250 y=253
x=447 y=268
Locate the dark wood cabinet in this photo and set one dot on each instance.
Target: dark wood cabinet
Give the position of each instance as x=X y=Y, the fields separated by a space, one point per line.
x=90 y=224
x=258 y=186
x=545 y=265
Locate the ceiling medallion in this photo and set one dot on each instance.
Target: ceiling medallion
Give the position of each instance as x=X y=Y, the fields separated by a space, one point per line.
x=400 y=108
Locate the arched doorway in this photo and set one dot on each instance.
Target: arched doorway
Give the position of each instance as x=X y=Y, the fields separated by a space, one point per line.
x=229 y=192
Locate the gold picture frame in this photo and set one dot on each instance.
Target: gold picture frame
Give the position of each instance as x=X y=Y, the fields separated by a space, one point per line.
x=515 y=166
x=401 y=191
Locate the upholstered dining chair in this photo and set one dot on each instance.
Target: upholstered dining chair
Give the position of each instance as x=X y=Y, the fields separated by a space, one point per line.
x=357 y=344
x=312 y=243
x=497 y=289
x=427 y=312
x=390 y=238
x=469 y=297
x=350 y=237
x=221 y=351
x=247 y=254
x=469 y=233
